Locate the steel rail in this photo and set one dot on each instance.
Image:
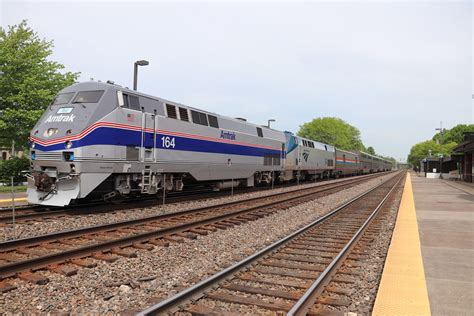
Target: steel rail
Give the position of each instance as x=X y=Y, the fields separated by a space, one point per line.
x=195 y=291
x=36 y=240
x=38 y=211
x=311 y=295
x=11 y=269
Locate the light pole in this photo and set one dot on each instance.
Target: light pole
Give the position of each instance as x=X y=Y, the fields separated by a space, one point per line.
x=229 y=164
x=269 y=121
x=135 y=71
x=441 y=130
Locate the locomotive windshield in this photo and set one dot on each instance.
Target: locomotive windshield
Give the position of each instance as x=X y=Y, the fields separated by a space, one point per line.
x=63 y=98
x=88 y=96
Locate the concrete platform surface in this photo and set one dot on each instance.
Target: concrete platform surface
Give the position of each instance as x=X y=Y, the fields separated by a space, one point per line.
x=445 y=215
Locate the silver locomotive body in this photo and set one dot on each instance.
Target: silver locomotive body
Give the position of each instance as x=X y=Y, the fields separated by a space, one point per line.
x=100 y=140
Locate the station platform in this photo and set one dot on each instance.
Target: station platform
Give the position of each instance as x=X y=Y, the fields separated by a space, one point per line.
x=6 y=199
x=430 y=265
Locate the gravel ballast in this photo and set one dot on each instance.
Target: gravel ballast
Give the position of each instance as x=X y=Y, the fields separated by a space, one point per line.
x=136 y=283
x=37 y=227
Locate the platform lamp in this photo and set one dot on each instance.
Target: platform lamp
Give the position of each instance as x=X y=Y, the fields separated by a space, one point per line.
x=135 y=71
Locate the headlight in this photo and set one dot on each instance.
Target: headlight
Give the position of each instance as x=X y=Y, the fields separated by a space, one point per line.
x=50 y=132
x=68 y=144
x=33 y=145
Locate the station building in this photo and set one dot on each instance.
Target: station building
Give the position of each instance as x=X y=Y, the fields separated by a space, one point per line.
x=466 y=151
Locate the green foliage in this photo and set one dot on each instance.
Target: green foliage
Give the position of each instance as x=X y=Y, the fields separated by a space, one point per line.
x=13 y=167
x=421 y=151
x=334 y=131
x=29 y=81
x=454 y=135
x=439 y=145
x=370 y=150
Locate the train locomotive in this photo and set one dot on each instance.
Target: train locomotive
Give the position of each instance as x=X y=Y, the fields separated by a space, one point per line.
x=103 y=141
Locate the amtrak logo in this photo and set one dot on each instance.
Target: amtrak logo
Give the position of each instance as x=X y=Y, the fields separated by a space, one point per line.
x=60 y=118
x=227 y=135
x=305 y=156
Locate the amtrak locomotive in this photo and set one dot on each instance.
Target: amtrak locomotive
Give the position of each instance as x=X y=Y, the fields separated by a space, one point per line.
x=102 y=141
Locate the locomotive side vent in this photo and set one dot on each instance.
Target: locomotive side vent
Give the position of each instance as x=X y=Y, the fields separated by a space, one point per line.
x=171 y=110
x=183 y=114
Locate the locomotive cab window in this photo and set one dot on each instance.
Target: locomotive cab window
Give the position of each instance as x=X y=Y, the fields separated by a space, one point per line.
x=63 y=98
x=134 y=102
x=88 y=96
x=131 y=102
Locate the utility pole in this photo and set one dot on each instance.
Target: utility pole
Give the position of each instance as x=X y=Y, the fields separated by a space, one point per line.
x=441 y=131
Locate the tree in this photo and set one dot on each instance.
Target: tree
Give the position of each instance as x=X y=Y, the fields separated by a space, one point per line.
x=455 y=134
x=13 y=167
x=29 y=81
x=371 y=150
x=334 y=131
x=421 y=150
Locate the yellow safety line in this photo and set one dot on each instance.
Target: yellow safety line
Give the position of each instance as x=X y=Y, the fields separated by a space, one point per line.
x=402 y=290
x=16 y=199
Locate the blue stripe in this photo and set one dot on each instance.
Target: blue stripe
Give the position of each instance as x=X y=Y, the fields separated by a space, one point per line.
x=121 y=137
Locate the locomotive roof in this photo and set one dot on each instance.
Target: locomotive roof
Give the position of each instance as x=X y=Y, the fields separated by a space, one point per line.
x=94 y=85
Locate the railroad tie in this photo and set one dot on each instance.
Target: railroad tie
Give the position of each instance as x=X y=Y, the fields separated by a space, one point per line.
x=173 y=238
x=197 y=310
x=6 y=287
x=231 y=298
x=62 y=269
x=334 y=301
x=105 y=257
x=260 y=279
x=199 y=231
x=143 y=246
x=159 y=242
x=31 y=277
x=127 y=253
x=84 y=262
x=187 y=235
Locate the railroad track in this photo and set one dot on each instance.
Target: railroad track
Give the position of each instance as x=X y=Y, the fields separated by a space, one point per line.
x=290 y=275
x=32 y=213
x=63 y=251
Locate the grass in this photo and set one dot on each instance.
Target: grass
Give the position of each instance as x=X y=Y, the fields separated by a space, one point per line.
x=8 y=189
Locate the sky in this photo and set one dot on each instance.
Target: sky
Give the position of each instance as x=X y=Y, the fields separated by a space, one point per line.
x=394 y=70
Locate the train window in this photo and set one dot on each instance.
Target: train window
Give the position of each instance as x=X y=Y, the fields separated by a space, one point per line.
x=63 y=98
x=134 y=102
x=259 y=132
x=199 y=118
x=312 y=144
x=276 y=160
x=183 y=114
x=171 y=110
x=330 y=162
x=88 y=96
x=326 y=147
x=213 y=121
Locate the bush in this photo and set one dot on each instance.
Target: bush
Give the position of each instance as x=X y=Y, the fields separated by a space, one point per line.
x=14 y=167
